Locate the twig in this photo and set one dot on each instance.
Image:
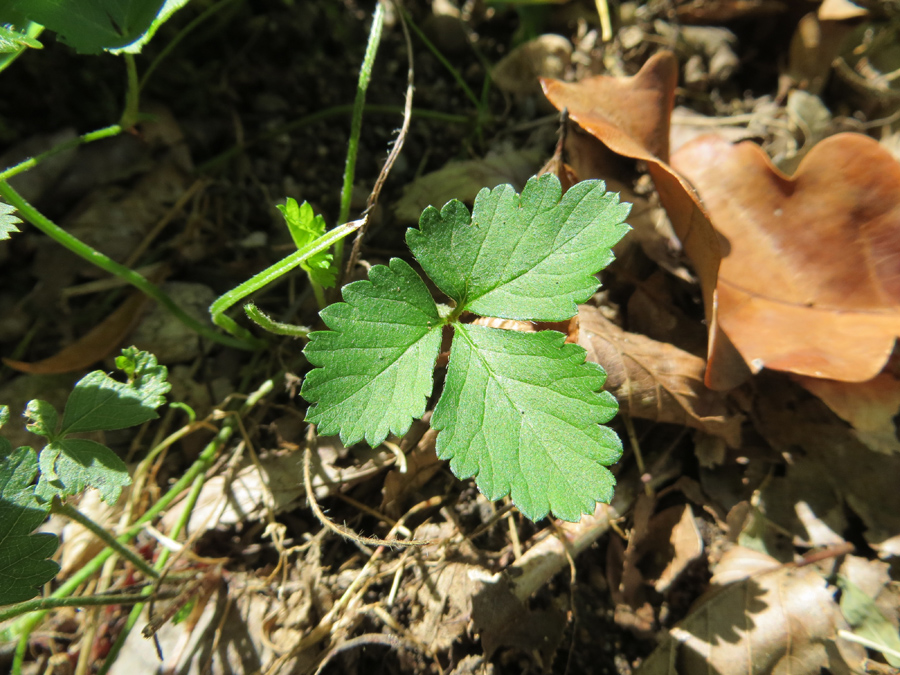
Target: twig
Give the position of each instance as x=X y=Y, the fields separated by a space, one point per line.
x=345 y=532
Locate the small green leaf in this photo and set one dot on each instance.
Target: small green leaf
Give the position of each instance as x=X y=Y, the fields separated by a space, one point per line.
x=522 y=413
x=377 y=361
x=531 y=257
x=24 y=566
x=8 y=221
x=72 y=465
x=305 y=227
x=12 y=41
x=42 y=418
x=4 y=415
x=99 y=402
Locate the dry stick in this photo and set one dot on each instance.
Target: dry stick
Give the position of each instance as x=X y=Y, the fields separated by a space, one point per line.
x=394 y=153
x=356 y=589
x=347 y=533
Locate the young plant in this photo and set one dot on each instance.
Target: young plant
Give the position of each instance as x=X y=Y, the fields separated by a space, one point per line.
x=67 y=465
x=521 y=412
x=305 y=227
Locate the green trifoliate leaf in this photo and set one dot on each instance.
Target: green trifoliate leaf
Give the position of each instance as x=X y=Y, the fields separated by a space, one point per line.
x=99 y=402
x=8 y=221
x=24 y=566
x=377 y=361
x=531 y=257
x=305 y=227
x=522 y=413
x=71 y=465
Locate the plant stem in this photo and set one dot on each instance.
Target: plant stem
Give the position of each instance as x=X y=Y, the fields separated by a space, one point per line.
x=26 y=624
x=161 y=561
x=45 y=604
x=272 y=273
x=70 y=512
x=365 y=76
x=132 y=94
x=32 y=30
x=242 y=339
x=269 y=324
x=32 y=162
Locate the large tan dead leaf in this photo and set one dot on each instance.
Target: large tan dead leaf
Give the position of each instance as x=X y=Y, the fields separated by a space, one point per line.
x=780 y=621
x=631 y=117
x=810 y=278
x=654 y=380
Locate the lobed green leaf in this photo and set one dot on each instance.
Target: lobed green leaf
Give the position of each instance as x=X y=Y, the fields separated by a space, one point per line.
x=522 y=413
x=71 y=465
x=24 y=564
x=377 y=361
x=529 y=257
x=98 y=402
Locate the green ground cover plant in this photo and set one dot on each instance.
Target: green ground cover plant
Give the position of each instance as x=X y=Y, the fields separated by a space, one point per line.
x=68 y=464
x=522 y=412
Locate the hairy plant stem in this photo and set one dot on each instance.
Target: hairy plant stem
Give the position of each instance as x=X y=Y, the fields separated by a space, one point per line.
x=277 y=327
x=240 y=338
x=323 y=243
x=365 y=76
x=70 y=512
x=32 y=162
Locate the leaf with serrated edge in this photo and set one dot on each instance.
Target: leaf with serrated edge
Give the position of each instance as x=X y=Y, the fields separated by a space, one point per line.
x=377 y=361
x=531 y=257
x=7 y=220
x=522 y=413
x=72 y=465
x=24 y=566
x=98 y=402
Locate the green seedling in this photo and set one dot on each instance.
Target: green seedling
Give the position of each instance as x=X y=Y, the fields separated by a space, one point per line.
x=521 y=412
x=67 y=465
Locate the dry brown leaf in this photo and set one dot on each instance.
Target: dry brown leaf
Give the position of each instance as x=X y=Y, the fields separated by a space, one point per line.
x=809 y=280
x=869 y=407
x=673 y=534
x=631 y=117
x=814 y=46
x=93 y=346
x=824 y=449
x=654 y=380
x=840 y=10
x=780 y=621
x=545 y=56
